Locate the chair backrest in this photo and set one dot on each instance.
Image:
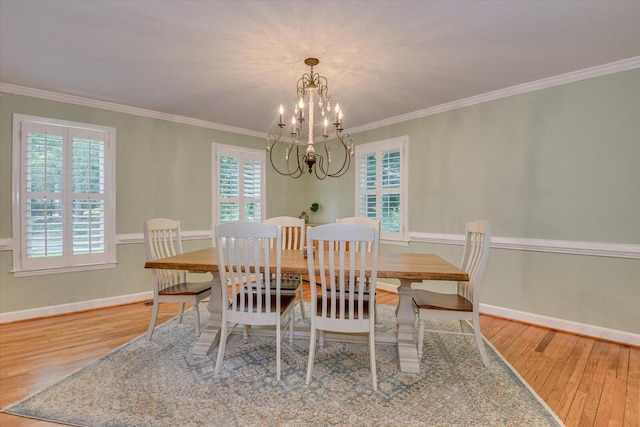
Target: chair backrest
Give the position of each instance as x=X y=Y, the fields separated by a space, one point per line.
x=293 y=231
x=474 y=259
x=342 y=274
x=243 y=258
x=162 y=239
x=359 y=220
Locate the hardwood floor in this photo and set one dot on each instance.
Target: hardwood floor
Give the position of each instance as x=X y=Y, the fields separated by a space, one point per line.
x=586 y=382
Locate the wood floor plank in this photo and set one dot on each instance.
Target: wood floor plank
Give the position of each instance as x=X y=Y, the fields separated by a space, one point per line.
x=632 y=400
x=594 y=391
x=565 y=391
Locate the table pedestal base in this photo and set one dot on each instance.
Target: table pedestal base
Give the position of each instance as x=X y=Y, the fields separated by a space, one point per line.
x=210 y=335
x=407 y=350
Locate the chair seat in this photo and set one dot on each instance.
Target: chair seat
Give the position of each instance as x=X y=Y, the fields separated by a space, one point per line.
x=365 y=307
x=285 y=301
x=188 y=288
x=438 y=301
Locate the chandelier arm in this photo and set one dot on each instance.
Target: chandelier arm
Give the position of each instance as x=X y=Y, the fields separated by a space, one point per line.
x=299 y=168
x=320 y=167
x=295 y=174
x=346 y=163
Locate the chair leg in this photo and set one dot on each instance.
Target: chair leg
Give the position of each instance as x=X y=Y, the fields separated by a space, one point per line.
x=221 y=347
x=479 y=341
x=154 y=317
x=301 y=302
x=181 y=312
x=462 y=322
x=196 y=318
x=312 y=354
x=372 y=355
x=278 y=344
x=245 y=333
x=291 y=317
x=420 y=339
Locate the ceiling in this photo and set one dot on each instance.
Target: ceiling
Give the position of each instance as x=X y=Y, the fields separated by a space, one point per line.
x=234 y=62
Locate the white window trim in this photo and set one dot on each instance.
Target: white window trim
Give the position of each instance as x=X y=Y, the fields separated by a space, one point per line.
x=402 y=143
x=222 y=149
x=17 y=192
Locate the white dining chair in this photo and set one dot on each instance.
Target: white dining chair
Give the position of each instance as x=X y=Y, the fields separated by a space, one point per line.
x=366 y=222
x=293 y=237
x=250 y=295
x=162 y=239
x=340 y=304
x=463 y=305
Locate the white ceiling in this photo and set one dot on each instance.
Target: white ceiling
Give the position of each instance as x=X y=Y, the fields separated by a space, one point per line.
x=234 y=62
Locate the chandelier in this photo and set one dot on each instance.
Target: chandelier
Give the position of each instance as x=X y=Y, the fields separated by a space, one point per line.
x=291 y=157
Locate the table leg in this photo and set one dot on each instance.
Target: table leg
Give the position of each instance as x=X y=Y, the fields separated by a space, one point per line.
x=210 y=335
x=407 y=350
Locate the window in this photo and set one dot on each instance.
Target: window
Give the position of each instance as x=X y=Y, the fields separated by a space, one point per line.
x=238 y=184
x=64 y=196
x=381 y=185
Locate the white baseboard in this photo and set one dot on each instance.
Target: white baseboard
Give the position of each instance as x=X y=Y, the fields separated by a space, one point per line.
x=548 y=322
x=54 y=310
x=563 y=325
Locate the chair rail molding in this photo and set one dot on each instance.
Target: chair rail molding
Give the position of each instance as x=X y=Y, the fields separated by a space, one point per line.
x=614 y=250
x=6 y=244
x=134 y=238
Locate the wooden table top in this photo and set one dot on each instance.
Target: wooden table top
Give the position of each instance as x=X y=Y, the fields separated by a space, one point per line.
x=407 y=266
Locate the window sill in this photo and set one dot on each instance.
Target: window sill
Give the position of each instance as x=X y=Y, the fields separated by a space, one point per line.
x=26 y=273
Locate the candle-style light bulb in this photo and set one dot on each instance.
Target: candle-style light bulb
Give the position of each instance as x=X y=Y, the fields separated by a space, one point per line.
x=337 y=110
x=281 y=114
x=293 y=124
x=324 y=132
x=301 y=103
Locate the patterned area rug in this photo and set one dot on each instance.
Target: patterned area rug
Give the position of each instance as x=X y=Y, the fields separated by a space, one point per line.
x=160 y=383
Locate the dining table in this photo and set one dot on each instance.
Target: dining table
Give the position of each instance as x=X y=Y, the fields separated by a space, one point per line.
x=407 y=267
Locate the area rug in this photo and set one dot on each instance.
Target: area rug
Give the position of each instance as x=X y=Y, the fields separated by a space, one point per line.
x=160 y=383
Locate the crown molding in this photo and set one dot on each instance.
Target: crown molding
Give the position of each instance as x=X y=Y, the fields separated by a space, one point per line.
x=588 y=73
x=600 y=70
x=120 y=108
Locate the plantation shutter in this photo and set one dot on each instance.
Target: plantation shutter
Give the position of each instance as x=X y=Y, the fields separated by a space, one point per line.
x=66 y=197
x=88 y=195
x=43 y=154
x=229 y=189
x=252 y=184
x=381 y=185
x=240 y=184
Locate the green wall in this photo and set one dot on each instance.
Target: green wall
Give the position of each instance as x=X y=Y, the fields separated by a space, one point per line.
x=163 y=169
x=561 y=163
